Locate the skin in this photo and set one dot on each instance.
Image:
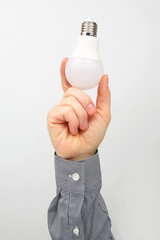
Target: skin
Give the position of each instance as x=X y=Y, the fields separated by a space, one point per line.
x=75 y=131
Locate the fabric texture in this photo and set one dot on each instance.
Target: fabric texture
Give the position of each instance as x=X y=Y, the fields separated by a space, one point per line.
x=78 y=211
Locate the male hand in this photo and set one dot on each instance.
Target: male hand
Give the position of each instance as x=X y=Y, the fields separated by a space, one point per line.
x=75 y=127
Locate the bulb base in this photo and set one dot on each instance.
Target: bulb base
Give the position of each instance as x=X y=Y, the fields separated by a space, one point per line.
x=89 y=28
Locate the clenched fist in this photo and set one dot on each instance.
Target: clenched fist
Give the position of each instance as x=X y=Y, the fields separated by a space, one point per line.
x=76 y=126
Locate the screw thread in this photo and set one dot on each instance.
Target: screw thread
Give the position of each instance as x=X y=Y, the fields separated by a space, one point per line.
x=89 y=28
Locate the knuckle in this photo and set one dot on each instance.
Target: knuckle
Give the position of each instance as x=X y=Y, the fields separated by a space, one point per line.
x=81 y=96
x=77 y=122
x=68 y=109
x=51 y=115
x=87 y=100
x=50 y=112
x=70 y=90
x=71 y=99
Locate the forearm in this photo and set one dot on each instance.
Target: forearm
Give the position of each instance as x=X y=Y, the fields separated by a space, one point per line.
x=78 y=203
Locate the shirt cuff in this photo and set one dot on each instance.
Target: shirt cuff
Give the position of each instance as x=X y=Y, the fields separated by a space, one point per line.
x=78 y=176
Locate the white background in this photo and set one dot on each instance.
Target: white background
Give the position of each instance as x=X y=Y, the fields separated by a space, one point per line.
x=34 y=37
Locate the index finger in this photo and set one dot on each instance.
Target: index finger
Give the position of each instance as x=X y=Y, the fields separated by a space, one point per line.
x=65 y=84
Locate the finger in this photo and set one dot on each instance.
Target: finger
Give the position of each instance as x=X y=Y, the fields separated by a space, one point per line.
x=63 y=114
x=79 y=110
x=103 y=100
x=64 y=82
x=83 y=99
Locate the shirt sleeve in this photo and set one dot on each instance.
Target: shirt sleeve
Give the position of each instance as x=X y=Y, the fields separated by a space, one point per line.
x=78 y=211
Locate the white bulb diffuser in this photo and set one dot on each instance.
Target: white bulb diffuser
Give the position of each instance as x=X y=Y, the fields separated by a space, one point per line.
x=84 y=68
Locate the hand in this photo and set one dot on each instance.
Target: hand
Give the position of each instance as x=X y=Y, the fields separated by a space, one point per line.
x=76 y=130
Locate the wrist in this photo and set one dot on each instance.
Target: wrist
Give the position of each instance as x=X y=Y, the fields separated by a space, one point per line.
x=78 y=157
x=82 y=156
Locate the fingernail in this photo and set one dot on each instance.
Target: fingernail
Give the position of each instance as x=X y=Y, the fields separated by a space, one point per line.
x=91 y=108
x=85 y=124
x=76 y=131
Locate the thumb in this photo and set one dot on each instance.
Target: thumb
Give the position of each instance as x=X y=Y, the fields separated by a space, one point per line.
x=103 y=100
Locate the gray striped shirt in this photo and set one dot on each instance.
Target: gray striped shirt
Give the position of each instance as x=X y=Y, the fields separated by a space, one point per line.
x=78 y=211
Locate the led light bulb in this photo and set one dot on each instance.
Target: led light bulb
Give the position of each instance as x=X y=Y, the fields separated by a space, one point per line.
x=84 y=68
